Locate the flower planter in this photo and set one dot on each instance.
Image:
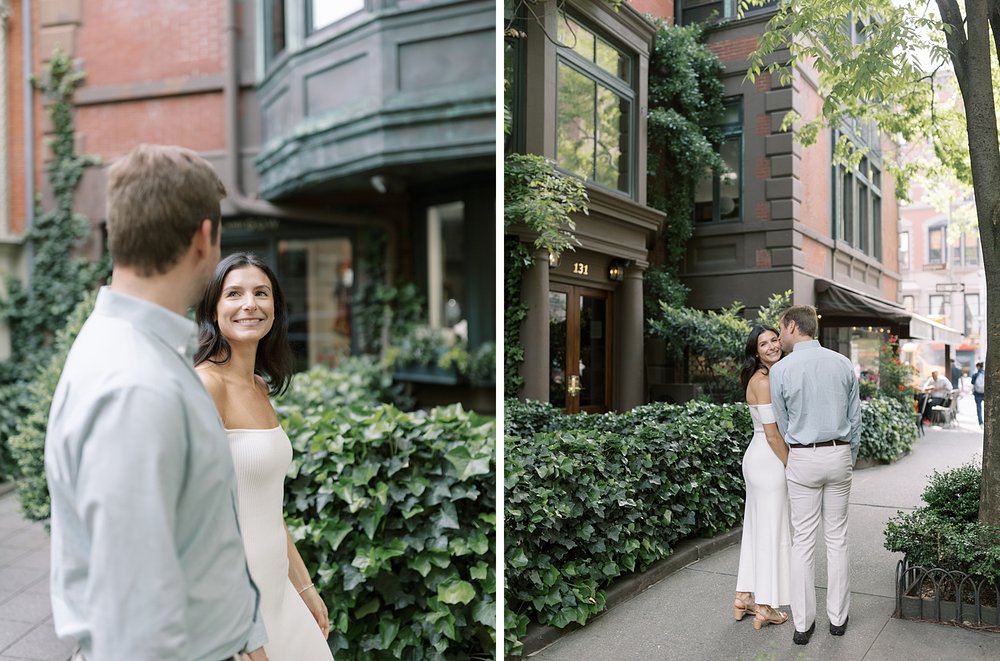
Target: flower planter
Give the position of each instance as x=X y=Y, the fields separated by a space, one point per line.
x=939 y=595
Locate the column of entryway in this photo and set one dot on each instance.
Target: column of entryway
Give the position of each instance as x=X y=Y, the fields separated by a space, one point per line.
x=535 y=329
x=630 y=372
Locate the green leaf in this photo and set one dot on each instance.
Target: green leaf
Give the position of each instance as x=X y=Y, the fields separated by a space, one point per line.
x=456 y=591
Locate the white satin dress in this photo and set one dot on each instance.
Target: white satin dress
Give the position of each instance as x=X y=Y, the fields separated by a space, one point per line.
x=766 y=546
x=261 y=458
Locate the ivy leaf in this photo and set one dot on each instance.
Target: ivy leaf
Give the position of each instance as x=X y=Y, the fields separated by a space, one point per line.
x=456 y=591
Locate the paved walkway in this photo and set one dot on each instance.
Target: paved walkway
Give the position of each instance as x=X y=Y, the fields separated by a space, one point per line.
x=688 y=615
x=25 y=612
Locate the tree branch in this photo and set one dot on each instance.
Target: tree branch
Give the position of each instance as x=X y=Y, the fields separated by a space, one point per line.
x=956 y=38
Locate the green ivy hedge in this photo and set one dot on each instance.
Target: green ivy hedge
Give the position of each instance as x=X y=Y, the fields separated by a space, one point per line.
x=946 y=533
x=588 y=498
x=394 y=513
x=27 y=446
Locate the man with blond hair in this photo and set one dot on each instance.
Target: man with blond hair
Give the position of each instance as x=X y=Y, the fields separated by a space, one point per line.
x=814 y=392
x=147 y=560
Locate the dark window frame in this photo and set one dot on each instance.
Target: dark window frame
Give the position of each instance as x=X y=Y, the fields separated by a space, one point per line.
x=600 y=76
x=860 y=228
x=731 y=132
x=701 y=11
x=904 y=262
x=943 y=230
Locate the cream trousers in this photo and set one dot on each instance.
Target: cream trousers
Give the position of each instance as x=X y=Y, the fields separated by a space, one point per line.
x=819 y=485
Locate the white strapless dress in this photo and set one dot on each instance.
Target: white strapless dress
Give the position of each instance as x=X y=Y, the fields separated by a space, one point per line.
x=262 y=458
x=765 y=549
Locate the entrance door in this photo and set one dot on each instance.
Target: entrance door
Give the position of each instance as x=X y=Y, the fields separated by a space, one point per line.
x=579 y=349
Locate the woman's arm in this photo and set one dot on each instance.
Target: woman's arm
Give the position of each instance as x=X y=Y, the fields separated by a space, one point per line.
x=299 y=576
x=760 y=389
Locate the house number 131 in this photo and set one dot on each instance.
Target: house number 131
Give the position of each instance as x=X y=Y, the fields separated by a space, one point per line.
x=580 y=268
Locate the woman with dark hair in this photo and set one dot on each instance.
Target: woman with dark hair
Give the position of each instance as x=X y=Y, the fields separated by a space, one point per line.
x=763 y=580
x=243 y=358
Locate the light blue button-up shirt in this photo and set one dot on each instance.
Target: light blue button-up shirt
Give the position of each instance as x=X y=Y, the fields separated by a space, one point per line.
x=147 y=558
x=814 y=392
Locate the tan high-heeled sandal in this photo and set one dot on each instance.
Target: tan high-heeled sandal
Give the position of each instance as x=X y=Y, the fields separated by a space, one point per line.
x=767 y=615
x=743 y=606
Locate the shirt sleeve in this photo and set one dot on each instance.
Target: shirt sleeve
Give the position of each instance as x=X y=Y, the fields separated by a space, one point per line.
x=778 y=402
x=133 y=455
x=854 y=417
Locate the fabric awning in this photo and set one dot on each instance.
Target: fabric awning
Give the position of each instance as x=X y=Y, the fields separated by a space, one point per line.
x=836 y=300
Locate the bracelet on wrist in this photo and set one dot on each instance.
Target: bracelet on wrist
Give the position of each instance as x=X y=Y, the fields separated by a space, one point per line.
x=306 y=588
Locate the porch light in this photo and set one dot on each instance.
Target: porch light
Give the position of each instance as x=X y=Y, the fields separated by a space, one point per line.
x=616 y=271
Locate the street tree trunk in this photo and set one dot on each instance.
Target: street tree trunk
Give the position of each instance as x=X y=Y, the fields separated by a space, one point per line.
x=969 y=43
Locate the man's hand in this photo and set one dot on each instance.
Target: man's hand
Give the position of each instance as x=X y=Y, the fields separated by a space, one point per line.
x=256 y=655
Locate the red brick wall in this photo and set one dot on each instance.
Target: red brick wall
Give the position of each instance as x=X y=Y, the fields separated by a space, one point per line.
x=137 y=57
x=659 y=8
x=196 y=122
x=126 y=42
x=15 y=113
x=734 y=49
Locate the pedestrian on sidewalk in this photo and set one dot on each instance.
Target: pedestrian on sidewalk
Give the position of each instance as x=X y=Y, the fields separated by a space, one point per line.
x=979 y=390
x=814 y=392
x=762 y=582
x=147 y=559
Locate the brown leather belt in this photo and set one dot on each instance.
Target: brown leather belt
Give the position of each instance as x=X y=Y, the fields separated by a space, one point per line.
x=824 y=444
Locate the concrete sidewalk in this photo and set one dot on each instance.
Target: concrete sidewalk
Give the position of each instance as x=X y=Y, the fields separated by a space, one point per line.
x=25 y=611
x=688 y=615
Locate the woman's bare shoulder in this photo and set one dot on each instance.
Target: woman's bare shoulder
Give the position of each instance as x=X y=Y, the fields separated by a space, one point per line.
x=212 y=378
x=759 y=389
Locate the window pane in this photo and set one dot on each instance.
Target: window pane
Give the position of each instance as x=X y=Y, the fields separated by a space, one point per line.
x=731 y=114
x=847 y=208
x=936 y=305
x=613 y=61
x=325 y=12
x=696 y=11
x=864 y=243
x=512 y=76
x=557 y=348
x=876 y=227
x=445 y=281
x=729 y=181
x=612 y=157
x=972 y=314
x=935 y=246
x=956 y=253
x=276 y=24
x=593 y=350
x=575 y=131
x=971 y=250
x=575 y=36
x=316 y=277
x=904 y=251
x=908 y=303
x=703 y=197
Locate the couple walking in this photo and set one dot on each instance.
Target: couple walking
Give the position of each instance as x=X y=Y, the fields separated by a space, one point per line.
x=807 y=427
x=168 y=540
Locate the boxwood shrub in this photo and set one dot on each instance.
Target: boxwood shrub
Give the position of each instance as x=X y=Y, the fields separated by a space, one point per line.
x=394 y=513
x=945 y=533
x=887 y=429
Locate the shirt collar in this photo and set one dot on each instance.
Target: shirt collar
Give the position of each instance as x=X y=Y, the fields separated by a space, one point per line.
x=179 y=333
x=806 y=344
